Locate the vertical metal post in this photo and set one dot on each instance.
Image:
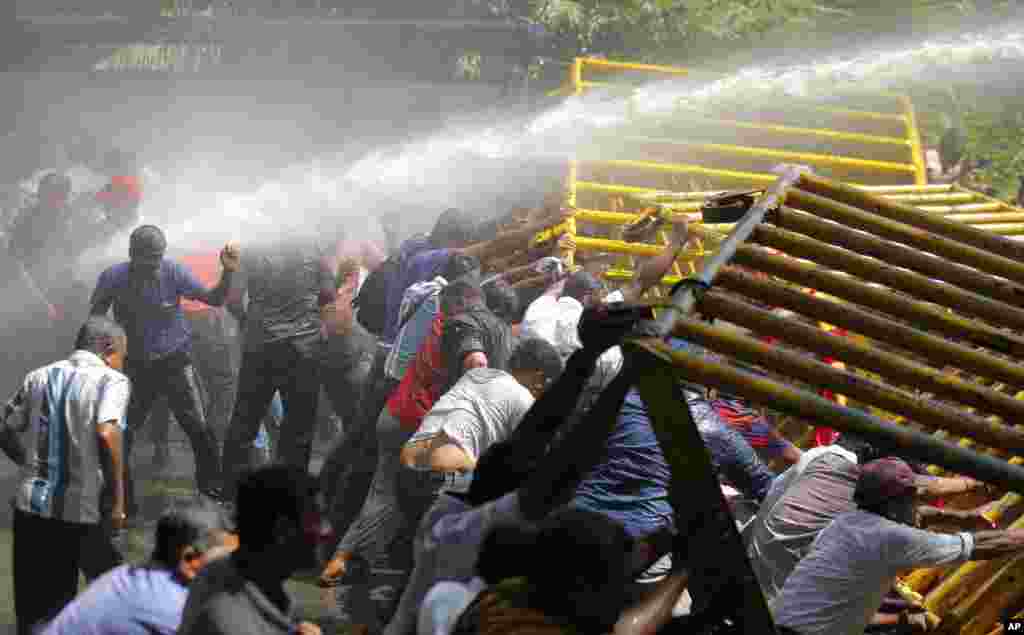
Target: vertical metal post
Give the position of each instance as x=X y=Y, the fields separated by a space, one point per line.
x=576 y=76
x=914 y=137
x=569 y=255
x=709 y=546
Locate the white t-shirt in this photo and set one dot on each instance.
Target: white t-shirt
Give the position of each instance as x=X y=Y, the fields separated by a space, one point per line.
x=557 y=322
x=482 y=408
x=840 y=584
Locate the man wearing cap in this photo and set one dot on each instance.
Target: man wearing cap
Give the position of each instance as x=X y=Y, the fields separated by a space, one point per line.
x=840 y=585
x=146 y=294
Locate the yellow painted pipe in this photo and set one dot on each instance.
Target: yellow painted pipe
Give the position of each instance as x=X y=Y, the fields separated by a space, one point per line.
x=796 y=131
x=886 y=190
x=984 y=608
x=965 y=209
x=850 y=113
x=948 y=197
x=686 y=168
x=1008 y=217
x=958 y=585
x=914 y=136
x=631 y=66
x=901 y=223
x=1009 y=229
x=785 y=155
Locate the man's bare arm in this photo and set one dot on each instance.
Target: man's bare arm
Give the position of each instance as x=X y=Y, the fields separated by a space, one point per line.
x=513 y=239
x=993 y=544
x=937 y=486
x=110 y=438
x=654 y=269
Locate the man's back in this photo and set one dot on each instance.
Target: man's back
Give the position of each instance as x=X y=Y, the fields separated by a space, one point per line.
x=284 y=284
x=221 y=601
x=484 y=407
x=475 y=329
x=56 y=414
x=129 y=600
x=631 y=484
x=786 y=526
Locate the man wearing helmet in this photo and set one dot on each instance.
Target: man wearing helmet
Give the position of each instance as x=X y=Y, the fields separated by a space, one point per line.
x=146 y=294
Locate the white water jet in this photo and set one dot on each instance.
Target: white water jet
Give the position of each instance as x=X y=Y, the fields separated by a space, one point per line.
x=446 y=168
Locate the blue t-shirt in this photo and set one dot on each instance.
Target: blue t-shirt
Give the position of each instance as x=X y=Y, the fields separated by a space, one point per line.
x=128 y=600
x=423 y=265
x=631 y=485
x=150 y=310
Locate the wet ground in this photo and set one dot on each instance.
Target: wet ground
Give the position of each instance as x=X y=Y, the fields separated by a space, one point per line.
x=159 y=490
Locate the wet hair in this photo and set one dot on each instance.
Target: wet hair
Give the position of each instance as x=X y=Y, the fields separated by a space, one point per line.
x=267 y=494
x=536 y=354
x=593 y=549
x=147 y=241
x=502 y=300
x=461 y=267
x=200 y=525
x=581 y=284
x=460 y=293
x=99 y=335
x=453 y=227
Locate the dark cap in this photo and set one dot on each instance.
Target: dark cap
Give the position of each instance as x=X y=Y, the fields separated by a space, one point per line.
x=147 y=243
x=882 y=480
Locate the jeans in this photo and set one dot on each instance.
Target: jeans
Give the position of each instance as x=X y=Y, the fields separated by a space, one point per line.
x=283 y=367
x=48 y=555
x=176 y=379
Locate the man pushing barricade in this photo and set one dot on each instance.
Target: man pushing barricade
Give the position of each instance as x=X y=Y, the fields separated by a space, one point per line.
x=146 y=294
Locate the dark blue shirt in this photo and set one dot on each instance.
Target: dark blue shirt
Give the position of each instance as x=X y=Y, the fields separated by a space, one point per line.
x=631 y=485
x=150 y=309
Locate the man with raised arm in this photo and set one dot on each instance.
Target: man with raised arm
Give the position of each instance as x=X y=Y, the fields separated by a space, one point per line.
x=146 y=294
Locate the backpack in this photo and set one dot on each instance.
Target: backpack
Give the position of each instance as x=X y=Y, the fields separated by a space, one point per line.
x=372 y=302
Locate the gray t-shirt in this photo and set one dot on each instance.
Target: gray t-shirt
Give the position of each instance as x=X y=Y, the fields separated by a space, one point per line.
x=816 y=491
x=484 y=407
x=284 y=284
x=840 y=585
x=222 y=602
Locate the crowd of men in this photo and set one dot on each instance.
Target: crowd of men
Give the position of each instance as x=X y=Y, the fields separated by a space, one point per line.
x=497 y=471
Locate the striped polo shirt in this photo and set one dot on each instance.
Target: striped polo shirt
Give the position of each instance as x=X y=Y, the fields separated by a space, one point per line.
x=55 y=415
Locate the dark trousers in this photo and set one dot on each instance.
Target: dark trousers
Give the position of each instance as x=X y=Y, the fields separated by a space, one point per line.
x=348 y=468
x=283 y=367
x=175 y=378
x=48 y=555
